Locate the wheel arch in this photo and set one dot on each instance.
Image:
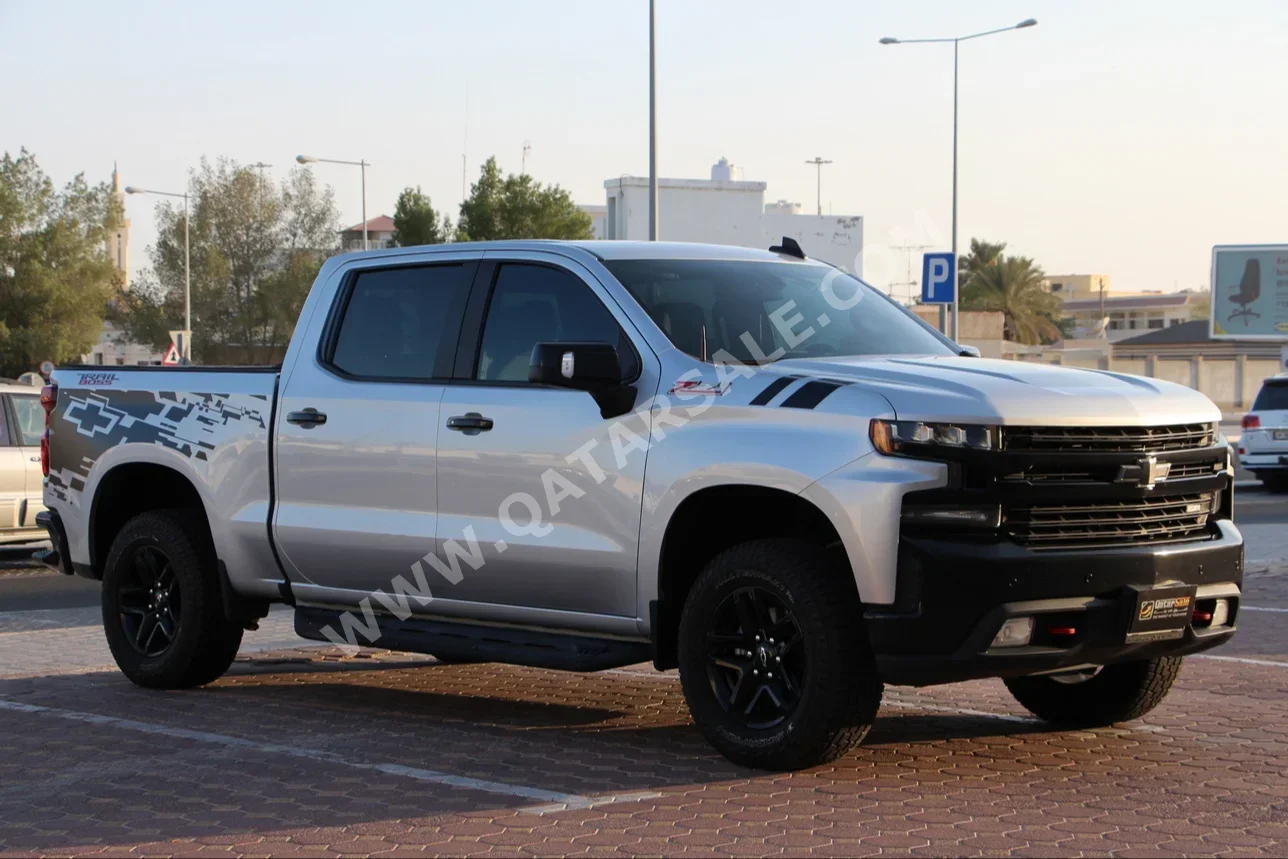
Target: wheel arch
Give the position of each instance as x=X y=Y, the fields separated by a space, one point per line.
x=713 y=519
x=130 y=488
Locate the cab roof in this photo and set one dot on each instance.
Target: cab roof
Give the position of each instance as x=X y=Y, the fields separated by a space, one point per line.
x=603 y=249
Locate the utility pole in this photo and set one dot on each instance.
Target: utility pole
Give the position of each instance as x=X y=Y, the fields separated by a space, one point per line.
x=818 y=164
x=652 y=125
x=1104 y=323
x=523 y=168
x=910 y=283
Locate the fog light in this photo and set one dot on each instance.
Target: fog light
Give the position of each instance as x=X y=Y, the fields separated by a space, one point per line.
x=1220 y=613
x=1016 y=632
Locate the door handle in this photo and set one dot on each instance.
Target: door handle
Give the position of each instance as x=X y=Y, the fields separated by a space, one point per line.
x=34 y=458
x=470 y=423
x=308 y=418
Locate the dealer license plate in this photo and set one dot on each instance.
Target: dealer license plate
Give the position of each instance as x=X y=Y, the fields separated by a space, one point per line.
x=1161 y=614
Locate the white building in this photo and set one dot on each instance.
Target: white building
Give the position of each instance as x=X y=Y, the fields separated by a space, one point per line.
x=726 y=210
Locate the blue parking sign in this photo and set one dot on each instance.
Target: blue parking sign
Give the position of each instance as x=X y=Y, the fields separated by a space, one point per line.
x=937 y=278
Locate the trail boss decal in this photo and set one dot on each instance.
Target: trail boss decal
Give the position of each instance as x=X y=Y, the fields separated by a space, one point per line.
x=96 y=380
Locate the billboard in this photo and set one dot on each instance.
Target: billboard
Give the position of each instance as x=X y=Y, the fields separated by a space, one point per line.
x=1250 y=292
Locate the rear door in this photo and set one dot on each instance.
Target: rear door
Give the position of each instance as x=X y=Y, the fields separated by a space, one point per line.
x=13 y=474
x=29 y=425
x=550 y=489
x=357 y=426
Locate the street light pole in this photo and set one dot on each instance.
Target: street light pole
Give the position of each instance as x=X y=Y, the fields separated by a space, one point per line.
x=186 y=357
x=310 y=159
x=652 y=126
x=1027 y=22
x=818 y=163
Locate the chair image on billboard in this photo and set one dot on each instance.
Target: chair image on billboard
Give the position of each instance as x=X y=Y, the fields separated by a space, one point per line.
x=1249 y=291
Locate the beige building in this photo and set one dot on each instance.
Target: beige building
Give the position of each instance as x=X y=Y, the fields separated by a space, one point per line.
x=380 y=234
x=113 y=348
x=1101 y=314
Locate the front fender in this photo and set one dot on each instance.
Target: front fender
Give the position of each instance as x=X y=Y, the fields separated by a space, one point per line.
x=864 y=500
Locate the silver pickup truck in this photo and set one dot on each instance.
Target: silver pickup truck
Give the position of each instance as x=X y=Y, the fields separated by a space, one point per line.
x=743 y=464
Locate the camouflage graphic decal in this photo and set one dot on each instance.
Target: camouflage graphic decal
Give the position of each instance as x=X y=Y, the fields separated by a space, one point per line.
x=87 y=423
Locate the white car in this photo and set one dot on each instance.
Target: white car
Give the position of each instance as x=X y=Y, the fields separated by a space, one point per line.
x=22 y=422
x=1263 y=448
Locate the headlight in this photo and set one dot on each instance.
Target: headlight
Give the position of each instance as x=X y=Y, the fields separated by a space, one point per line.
x=914 y=438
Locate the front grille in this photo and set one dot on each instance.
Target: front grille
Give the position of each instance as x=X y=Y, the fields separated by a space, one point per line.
x=1108 y=472
x=1109 y=439
x=1109 y=523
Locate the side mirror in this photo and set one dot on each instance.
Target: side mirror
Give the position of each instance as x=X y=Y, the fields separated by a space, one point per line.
x=581 y=366
x=591 y=367
x=968 y=351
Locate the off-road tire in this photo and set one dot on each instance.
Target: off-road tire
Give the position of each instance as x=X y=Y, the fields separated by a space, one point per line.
x=1117 y=693
x=205 y=642
x=840 y=691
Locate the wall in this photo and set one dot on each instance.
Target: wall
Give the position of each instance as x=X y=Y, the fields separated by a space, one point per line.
x=724 y=213
x=1232 y=382
x=835 y=239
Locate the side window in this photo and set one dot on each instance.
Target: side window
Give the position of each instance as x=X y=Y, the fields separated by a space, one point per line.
x=534 y=304
x=4 y=427
x=402 y=323
x=30 y=416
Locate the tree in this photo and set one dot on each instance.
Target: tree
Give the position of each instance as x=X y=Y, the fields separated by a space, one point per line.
x=982 y=254
x=255 y=250
x=416 y=222
x=517 y=207
x=1013 y=285
x=56 y=277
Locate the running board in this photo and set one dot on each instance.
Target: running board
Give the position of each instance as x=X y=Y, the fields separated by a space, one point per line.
x=472 y=642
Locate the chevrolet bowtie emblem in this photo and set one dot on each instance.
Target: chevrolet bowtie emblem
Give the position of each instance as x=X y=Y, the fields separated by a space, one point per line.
x=1145 y=472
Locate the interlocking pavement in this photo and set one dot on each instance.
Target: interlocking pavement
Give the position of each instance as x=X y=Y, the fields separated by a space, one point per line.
x=302 y=751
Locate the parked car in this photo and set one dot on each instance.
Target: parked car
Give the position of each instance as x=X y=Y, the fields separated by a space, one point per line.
x=744 y=464
x=22 y=423
x=1263 y=447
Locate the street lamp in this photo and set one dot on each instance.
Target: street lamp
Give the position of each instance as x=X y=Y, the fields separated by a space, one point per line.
x=652 y=126
x=186 y=357
x=1027 y=22
x=311 y=159
x=818 y=163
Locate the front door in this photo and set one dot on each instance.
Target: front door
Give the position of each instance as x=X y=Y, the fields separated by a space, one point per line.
x=357 y=423
x=555 y=512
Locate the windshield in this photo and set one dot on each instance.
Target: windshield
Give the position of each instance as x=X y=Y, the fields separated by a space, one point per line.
x=759 y=312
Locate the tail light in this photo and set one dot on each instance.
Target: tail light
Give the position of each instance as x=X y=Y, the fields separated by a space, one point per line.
x=48 y=399
x=1252 y=421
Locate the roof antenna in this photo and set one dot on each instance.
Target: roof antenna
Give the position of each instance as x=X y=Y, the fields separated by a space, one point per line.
x=789 y=247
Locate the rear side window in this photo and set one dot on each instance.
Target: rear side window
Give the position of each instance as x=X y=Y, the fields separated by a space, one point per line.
x=534 y=304
x=30 y=416
x=1273 y=398
x=402 y=323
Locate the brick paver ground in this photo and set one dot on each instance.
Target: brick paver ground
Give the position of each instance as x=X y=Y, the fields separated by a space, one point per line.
x=304 y=752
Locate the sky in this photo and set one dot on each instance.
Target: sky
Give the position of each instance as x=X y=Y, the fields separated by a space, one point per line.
x=1122 y=138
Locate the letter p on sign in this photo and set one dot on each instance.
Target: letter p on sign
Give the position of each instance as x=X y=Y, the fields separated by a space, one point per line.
x=937 y=278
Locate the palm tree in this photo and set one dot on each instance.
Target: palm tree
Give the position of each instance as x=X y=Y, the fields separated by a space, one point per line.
x=982 y=254
x=1013 y=285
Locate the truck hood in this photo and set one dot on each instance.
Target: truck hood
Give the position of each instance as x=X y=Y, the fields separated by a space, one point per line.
x=981 y=390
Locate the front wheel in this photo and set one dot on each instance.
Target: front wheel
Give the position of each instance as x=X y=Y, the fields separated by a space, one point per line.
x=774 y=662
x=162 y=613
x=1095 y=698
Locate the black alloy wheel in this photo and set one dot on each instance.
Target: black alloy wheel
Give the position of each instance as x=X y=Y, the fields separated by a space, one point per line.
x=149 y=601
x=755 y=661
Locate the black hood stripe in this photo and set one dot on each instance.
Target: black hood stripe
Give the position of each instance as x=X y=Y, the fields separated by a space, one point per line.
x=810 y=394
x=773 y=389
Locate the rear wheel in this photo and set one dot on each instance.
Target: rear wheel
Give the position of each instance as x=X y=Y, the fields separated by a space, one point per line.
x=774 y=662
x=1094 y=698
x=162 y=613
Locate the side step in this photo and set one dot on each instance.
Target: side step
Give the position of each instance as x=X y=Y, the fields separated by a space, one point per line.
x=471 y=642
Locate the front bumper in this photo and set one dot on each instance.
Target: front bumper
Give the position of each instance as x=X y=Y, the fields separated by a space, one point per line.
x=958 y=593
